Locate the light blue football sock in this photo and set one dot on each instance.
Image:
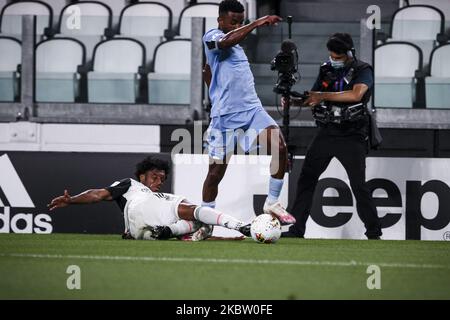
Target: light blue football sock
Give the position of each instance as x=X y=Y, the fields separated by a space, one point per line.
x=275 y=186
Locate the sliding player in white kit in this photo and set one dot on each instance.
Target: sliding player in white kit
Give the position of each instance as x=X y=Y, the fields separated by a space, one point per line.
x=151 y=215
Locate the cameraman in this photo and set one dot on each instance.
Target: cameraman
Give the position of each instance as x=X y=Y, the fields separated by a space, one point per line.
x=338 y=100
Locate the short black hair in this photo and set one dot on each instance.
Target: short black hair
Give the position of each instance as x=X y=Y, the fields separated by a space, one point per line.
x=340 y=43
x=150 y=163
x=230 y=5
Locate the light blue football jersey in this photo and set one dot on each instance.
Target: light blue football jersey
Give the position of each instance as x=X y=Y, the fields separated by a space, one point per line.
x=232 y=87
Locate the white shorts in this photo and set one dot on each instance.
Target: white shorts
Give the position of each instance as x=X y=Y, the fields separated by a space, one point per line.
x=158 y=209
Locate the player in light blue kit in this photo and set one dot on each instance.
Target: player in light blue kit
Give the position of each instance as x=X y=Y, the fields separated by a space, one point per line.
x=235 y=105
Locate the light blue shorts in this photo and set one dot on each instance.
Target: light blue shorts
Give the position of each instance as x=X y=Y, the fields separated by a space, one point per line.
x=241 y=127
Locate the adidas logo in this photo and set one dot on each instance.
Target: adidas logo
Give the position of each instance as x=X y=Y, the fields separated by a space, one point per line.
x=14 y=195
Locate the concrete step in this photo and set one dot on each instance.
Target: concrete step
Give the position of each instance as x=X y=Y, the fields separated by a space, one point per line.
x=263 y=70
x=309 y=28
x=312 y=49
x=264 y=88
x=350 y=10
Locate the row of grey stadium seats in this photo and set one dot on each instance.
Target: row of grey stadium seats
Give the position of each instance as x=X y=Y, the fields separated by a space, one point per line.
x=86 y=62
x=115 y=8
x=91 y=21
x=400 y=81
x=417 y=31
x=412 y=62
x=151 y=22
x=422 y=25
x=62 y=74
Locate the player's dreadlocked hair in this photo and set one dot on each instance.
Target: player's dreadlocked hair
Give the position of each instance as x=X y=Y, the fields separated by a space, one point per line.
x=230 y=5
x=151 y=163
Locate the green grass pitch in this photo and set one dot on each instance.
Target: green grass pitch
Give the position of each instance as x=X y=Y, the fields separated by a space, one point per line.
x=34 y=267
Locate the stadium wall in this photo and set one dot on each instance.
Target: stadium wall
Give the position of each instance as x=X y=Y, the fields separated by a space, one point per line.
x=410 y=178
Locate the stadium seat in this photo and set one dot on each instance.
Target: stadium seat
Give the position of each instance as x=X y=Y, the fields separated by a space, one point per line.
x=11 y=56
x=57 y=62
x=3 y=3
x=11 y=23
x=176 y=6
x=57 y=6
x=116 y=6
x=418 y=24
x=117 y=70
x=210 y=11
x=95 y=20
x=170 y=80
x=146 y=22
x=395 y=69
x=443 y=5
x=437 y=85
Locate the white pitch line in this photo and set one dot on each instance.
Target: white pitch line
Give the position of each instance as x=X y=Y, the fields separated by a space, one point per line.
x=229 y=261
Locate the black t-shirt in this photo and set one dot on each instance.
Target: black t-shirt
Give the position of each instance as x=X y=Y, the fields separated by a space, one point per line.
x=364 y=76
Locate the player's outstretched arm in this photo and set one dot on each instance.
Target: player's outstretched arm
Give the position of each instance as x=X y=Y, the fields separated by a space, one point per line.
x=236 y=36
x=88 y=196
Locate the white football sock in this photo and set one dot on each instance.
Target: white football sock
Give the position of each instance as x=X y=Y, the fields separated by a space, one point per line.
x=212 y=216
x=183 y=227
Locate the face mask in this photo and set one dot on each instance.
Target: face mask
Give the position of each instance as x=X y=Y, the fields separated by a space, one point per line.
x=337 y=64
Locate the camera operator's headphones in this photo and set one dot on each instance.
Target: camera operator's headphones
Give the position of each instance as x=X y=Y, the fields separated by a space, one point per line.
x=351 y=52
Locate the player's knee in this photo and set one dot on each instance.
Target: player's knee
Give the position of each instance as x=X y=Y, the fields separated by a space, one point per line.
x=277 y=140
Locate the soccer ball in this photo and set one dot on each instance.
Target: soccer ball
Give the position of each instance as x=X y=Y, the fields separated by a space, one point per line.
x=265 y=229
